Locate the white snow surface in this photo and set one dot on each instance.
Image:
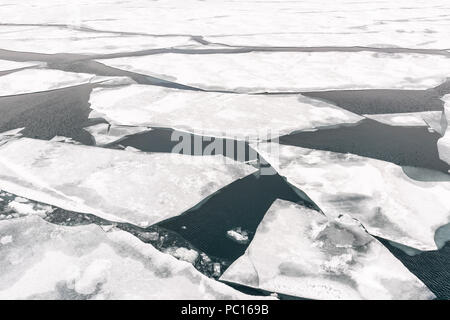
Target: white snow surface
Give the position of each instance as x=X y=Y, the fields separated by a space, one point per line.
x=6 y=65
x=378 y=23
x=298 y=251
x=60 y=39
x=84 y=262
x=430 y=119
x=35 y=80
x=379 y=194
x=444 y=143
x=113 y=184
x=215 y=114
x=256 y=72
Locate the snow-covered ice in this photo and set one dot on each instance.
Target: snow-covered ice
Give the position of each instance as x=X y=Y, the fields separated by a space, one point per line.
x=402 y=23
x=215 y=114
x=430 y=119
x=34 y=80
x=292 y=71
x=104 y=133
x=444 y=143
x=113 y=184
x=29 y=208
x=298 y=251
x=379 y=194
x=6 y=65
x=185 y=254
x=58 y=39
x=238 y=235
x=84 y=262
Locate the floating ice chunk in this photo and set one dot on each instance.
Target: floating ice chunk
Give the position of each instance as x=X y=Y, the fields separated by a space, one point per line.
x=64 y=139
x=444 y=143
x=427 y=118
x=113 y=184
x=104 y=133
x=29 y=208
x=185 y=254
x=53 y=39
x=33 y=80
x=298 y=251
x=238 y=235
x=216 y=114
x=379 y=194
x=84 y=262
x=292 y=71
x=6 y=65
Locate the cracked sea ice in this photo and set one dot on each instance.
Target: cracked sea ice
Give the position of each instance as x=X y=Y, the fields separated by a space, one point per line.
x=113 y=184
x=379 y=194
x=216 y=114
x=298 y=251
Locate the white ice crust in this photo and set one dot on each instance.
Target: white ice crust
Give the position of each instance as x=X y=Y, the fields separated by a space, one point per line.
x=298 y=251
x=431 y=119
x=215 y=114
x=113 y=184
x=58 y=39
x=292 y=71
x=35 y=80
x=6 y=65
x=402 y=23
x=444 y=143
x=379 y=194
x=84 y=262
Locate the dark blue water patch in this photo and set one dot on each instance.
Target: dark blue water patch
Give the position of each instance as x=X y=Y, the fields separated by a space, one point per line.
x=242 y=204
x=383 y=101
x=431 y=267
x=61 y=112
x=404 y=146
x=160 y=140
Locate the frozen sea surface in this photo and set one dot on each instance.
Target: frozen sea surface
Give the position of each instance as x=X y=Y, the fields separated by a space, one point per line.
x=95 y=98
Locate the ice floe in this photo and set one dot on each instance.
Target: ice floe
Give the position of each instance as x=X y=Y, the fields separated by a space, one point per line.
x=379 y=194
x=6 y=65
x=59 y=39
x=105 y=133
x=431 y=119
x=34 y=80
x=298 y=251
x=403 y=23
x=84 y=262
x=444 y=143
x=238 y=235
x=113 y=184
x=215 y=114
x=292 y=71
